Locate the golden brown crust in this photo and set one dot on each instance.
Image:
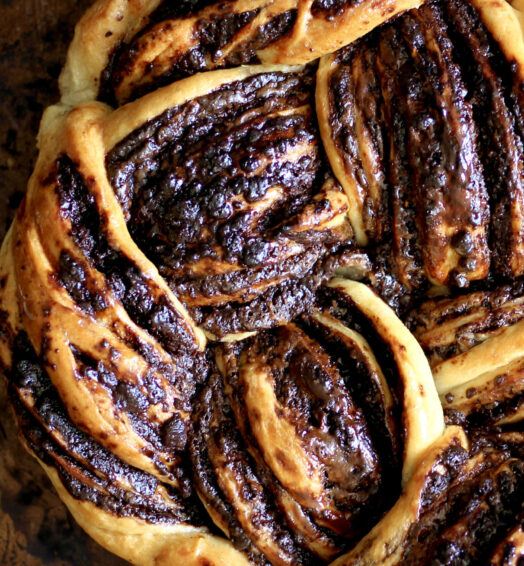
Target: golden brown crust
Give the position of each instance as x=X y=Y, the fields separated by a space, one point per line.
x=505 y=21
x=423 y=418
x=110 y=22
x=133 y=378
x=91 y=46
x=47 y=309
x=385 y=544
x=323 y=107
x=145 y=544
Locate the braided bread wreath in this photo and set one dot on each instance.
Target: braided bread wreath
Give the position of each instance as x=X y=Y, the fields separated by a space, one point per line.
x=221 y=292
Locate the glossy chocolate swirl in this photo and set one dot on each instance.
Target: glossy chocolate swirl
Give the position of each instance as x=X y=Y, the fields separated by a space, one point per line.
x=89 y=471
x=422 y=126
x=462 y=506
x=194 y=324
x=83 y=312
x=296 y=446
x=475 y=344
x=229 y=196
x=165 y=41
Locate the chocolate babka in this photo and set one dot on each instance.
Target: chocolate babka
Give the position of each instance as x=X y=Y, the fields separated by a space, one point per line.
x=263 y=302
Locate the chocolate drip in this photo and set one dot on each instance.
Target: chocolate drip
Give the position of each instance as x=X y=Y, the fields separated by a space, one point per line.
x=272 y=308
x=74 y=278
x=275 y=28
x=207 y=143
x=369 y=393
x=369 y=107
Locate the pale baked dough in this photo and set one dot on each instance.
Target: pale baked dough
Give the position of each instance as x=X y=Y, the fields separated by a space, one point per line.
x=86 y=130
x=109 y=22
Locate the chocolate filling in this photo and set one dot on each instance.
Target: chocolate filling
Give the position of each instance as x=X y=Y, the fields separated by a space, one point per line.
x=93 y=470
x=500 y=145
x=148 y=309
x=466 y=522
x=426 y=109
x=483 y=313
x=436 y=104
x=214 y=34
x=216 y=442
x=194 y=183
x=169 y=9
x=340 y=418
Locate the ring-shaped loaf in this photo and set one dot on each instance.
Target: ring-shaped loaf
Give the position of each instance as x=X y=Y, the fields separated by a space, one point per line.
x=272 y=314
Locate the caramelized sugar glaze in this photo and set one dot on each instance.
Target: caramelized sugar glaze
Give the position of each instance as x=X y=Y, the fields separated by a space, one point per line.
x=273 y=314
